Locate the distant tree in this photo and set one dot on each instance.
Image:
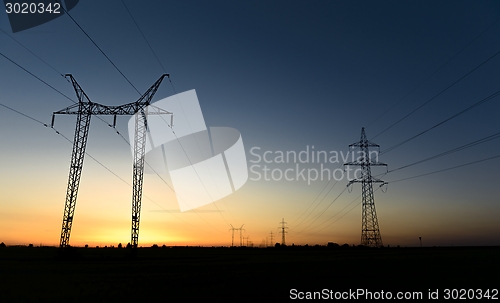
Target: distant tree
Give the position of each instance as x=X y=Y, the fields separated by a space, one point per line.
x=3 y=245
x=332 y=245
x=86 y=246
x=154 y=246
x=128 y=245
x=277 y=245
x=119 y=245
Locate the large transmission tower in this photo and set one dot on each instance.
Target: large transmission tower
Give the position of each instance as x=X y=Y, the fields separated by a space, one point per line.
x=370 y=232
x=84 y=110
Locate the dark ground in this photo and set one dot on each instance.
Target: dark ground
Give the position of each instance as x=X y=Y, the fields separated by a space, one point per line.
x=43 y=274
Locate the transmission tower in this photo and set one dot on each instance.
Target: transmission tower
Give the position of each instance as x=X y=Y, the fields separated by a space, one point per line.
x=232 y=229
x=272 y=237
x=283 y=231
x=84 y=110
x=241 y=236
x=370 y=232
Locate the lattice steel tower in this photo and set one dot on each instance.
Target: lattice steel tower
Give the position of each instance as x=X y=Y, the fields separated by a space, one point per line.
x=84 y=110
x=370 y=232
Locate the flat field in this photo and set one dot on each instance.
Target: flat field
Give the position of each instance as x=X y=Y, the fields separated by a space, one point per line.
x=46 y=274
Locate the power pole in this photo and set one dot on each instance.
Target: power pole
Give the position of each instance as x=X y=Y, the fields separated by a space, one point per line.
x=84 y=110
x=370 y=232
x=283 y=231
x=272 y=237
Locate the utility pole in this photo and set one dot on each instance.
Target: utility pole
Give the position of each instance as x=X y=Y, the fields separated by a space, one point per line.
x=84 y=110
x=370 y=232
x=283 y=231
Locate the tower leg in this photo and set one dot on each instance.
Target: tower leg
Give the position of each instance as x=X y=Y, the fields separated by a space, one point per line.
x=75 y=172
x=370 y=232
x=138 y=172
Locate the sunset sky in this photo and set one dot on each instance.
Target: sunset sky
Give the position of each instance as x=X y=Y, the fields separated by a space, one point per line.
x=290 y=76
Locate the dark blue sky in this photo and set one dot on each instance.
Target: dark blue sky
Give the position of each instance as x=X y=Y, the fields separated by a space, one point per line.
x=286 y=74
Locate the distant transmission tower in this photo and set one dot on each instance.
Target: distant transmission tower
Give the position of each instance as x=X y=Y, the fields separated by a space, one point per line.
x=241 y=236
x=370 y=232
x=272 y=238
x=232 y=229
x=283 y=231
x=84 y=110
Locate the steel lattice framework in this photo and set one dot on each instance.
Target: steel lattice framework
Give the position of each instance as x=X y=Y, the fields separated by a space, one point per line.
x=84 y=110
x=370 y=232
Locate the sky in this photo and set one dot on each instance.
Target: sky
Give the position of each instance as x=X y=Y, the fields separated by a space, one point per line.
x=290 y=76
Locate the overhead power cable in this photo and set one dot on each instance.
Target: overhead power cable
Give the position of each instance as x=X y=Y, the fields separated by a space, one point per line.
x=468 y=145
x=480 y=102
x=102 y=52
x=446 y=169
x=323 y=211
x=143 y=36
x=438 y=94
x=435 y=72
x=22 y=45
x=33 y=75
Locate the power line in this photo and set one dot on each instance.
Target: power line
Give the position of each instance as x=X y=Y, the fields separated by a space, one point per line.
x=321 y=213
x=102 y=52
x=444 y=121
x=317 y=204
x=143 y=36
x=471 y=144
x=53 y=68
x=446 y=169
x=435 y=72
x=33 y=75
x=438 y=94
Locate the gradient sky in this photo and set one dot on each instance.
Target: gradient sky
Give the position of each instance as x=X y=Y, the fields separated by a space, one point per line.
x=289 y=75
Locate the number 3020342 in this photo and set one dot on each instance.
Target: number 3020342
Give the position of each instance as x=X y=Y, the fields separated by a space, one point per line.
x=33 y=8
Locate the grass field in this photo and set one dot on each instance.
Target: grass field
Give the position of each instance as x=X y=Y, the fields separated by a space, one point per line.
x=44 y=274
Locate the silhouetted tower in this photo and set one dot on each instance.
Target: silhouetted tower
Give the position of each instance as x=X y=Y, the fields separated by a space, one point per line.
x=272 y=239
x=84 y=110
x=370 y=232
x=283 y=231
x=241 y=236
x=232 y=229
